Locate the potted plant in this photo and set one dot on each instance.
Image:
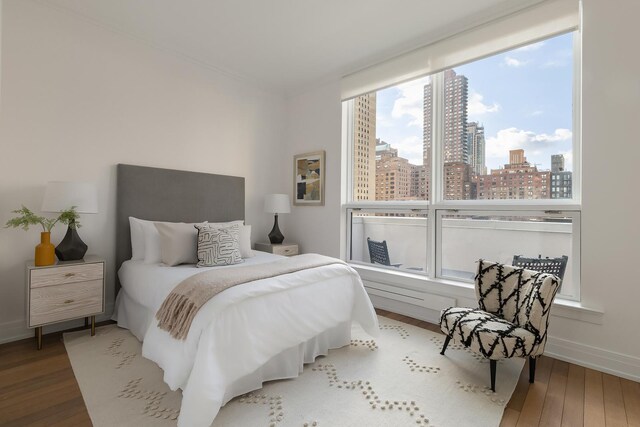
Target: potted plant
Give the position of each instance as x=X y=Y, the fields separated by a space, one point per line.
x=45 y=251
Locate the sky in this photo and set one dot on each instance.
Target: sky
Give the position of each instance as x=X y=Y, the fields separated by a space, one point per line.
x=523 y=98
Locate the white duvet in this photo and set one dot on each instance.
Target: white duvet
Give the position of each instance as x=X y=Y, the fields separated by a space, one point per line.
x=241 y=329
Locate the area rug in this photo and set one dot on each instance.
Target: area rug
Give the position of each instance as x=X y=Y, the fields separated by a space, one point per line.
x=396 y=379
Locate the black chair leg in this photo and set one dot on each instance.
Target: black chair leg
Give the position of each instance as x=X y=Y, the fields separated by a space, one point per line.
x=532 y=369
x=446 y=343
x=492 y=365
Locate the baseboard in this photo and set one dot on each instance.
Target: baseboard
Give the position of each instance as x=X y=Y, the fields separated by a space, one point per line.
x=406 y=309
x=17 y=330
x=602 y=360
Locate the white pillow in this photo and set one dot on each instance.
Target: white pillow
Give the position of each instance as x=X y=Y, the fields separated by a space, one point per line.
x=218 y=245
x=137 y=238
x=178 y=243
x=245 y=242
x=152 y=251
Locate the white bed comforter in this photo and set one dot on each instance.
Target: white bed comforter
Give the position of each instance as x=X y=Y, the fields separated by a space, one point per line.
x=242 y=328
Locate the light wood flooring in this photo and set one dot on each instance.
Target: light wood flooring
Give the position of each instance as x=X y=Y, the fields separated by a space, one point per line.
x=38 y=388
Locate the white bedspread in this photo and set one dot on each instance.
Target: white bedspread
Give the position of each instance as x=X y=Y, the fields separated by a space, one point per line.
x=243 y=328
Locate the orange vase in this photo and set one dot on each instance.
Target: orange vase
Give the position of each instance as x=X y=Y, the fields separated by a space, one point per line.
x=45 y=251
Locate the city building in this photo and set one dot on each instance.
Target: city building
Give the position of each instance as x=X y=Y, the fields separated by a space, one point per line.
x=518 y=180
x=419 y=183
x=561 y=179
x=476 y=148
x=364 y=147
x=393 y=174
x=557 y=163
x=456 y=88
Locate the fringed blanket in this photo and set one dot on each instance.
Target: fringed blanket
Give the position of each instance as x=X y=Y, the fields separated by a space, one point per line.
x=183 y=303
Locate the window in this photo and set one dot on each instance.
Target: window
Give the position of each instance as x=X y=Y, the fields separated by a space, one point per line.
x=475 y=161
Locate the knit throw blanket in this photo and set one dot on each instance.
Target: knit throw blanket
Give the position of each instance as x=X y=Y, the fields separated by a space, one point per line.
x=183 y=303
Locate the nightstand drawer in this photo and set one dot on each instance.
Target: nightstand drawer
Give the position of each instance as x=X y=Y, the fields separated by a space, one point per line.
x=68 y=301
x=286 y=250
x=67 y=274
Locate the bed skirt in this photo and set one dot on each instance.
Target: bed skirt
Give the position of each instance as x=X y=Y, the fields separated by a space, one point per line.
x=287 y=364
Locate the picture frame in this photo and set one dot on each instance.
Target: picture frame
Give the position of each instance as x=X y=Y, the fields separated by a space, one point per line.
x=308 y=179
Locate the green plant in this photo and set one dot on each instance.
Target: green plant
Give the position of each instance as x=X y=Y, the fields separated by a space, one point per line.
x=27 y=218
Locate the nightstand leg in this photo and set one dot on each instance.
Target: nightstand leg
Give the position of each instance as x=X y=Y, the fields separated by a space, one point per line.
x=86 y=322
x=39 y=337
x=93 y=325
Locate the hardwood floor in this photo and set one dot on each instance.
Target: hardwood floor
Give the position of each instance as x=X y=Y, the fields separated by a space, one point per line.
x=38 y=388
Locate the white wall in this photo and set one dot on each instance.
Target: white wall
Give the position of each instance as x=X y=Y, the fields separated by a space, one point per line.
x=314 y=123
x=77 y=99
x=610 y=228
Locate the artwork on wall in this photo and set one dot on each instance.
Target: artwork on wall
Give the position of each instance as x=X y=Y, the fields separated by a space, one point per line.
x=308 y=185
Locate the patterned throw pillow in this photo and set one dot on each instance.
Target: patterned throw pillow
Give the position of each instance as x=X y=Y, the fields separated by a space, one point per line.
x=218 y=245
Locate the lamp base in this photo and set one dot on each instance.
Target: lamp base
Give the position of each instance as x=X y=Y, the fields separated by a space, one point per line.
x=276 y=237
x=72 y=248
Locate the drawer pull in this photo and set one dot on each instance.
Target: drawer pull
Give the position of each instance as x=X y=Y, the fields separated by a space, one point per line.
x=69 y=274
x=68 y=301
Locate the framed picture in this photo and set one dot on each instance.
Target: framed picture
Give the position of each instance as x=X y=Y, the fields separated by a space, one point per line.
x=308 y=183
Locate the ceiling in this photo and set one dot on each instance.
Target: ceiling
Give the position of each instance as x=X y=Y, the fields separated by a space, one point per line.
x=286 y=45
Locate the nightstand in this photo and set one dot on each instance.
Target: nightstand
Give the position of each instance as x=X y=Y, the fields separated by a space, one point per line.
x=65 y=291
x=286 y=249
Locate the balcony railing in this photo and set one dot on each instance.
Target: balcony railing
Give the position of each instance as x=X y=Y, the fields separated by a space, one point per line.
x=461 y=242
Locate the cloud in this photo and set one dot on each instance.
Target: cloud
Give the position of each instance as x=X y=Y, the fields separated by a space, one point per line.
x=555 y=63
x=410 y=148
x=514 y=62
x=410 y=101
x=538 y=147
x=530 y=47
x=476 y=107
x=536 y=113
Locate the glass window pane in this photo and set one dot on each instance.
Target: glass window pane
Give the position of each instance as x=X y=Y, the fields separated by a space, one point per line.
x=508 y=124
x=394 y=240
x=388 y=149
x=465 y=238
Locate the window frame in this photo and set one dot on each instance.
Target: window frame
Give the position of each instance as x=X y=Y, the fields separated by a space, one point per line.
x=437 y=204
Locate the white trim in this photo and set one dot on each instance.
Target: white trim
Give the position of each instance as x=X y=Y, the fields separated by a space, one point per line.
x=543 y=20
x=611 y=362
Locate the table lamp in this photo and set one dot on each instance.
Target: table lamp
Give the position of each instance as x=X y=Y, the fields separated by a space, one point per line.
x=276 y=204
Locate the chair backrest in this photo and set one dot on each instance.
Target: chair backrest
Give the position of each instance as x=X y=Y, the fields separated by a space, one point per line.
x=378 y=252
x=555 y=266
x=518 y=295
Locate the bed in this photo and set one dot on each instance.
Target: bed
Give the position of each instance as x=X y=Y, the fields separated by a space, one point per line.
x=248 y=334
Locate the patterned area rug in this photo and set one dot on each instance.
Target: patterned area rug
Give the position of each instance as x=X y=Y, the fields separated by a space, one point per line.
x=396 y=379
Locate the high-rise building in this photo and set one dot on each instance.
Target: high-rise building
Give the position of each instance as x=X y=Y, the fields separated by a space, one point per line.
x=476 y=148
x=518 y=180
x=557 y=163
x=393 y=174
x=561 y=179
x=455 y=148
x=364 y=148
x=456 y=91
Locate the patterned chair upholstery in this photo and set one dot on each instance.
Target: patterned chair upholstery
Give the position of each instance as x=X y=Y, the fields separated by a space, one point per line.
x=512 y=318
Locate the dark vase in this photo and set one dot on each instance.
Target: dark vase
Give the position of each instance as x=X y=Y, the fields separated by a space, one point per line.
x=72 y=247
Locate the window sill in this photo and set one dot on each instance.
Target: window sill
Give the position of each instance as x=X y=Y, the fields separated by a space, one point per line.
x=412 y=282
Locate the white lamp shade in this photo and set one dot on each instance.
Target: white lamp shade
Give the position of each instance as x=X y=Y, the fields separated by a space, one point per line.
x=60 y=196
x=277 y=203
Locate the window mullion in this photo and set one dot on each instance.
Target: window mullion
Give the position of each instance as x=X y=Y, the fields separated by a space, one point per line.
x=436 y=173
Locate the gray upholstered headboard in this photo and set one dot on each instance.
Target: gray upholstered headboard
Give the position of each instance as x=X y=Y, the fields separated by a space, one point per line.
x=172 y=195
